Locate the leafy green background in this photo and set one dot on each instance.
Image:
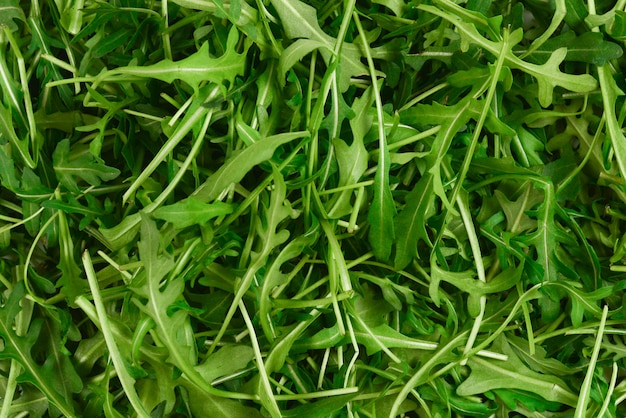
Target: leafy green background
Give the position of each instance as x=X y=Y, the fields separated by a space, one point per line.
x=312 y=208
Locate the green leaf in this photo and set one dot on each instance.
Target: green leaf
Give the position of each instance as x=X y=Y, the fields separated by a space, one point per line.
x=194 y=69
x=225 y=361
x=123 y=233
x=583 y=302
x=539 y=360
x=380 y=217
x=322 y=408
x=300 y=21
x=19 y=348
x=548 y=75
x=7 y=172
x=191 y=211
x=610 y=91
x=534 y=402
x=240 y=163
x=70 y=281
x=589 y=47
x=85 y=166
x=205 y=405
x=410 y=223
x=294 y=53
x=352 y=159
x=8 y=131
x=512 y=374
x=451 y=119
x=275 y=277
x=10 y=10
x=397 y=6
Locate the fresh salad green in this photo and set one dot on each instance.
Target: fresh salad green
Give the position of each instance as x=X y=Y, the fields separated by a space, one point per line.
x=307 y=208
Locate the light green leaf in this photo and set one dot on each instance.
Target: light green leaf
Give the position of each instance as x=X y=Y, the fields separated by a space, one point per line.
x=589 y=47
x=85 y=166
x=19 y=348
x=548 y=75
x=489 y=374
x=397 y=6
x=191 y=211
x=294 y=53
x=227 y=360
x=10 y=10
x=122 y=233
x=380 y=217
x=275 y=277
x=7 y=130
x=195 y=69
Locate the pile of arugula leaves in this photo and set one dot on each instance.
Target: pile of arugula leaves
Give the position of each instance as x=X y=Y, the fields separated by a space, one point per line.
x=312 y=208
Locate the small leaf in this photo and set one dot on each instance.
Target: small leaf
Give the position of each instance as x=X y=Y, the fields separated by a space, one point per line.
x=19 y=348
x=489 y=374
x=86 y=167
x=196 y=68
x=410 y=224
x=396 y=6
x=294 y=53
x=7 y=131
x=191 y=211
x=7 y=172
x=590 y=47
x=203 y=404
x=240 y=163
x=299 y=20
x=227 y=360
x=381 y=214
x=10 y=10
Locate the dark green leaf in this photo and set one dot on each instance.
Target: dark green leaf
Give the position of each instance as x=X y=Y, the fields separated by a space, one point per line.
x=589 y=47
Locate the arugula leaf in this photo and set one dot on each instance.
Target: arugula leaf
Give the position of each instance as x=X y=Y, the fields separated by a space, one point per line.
x=289 y=205
x=85 y=166
x=589 y=47
x=548 y=75
x=10 y=10
x=512 y=374
x=227 y=360
x=411 y=221
x=240 y=163
x=19 y=348
x=194 y=69
x=7 y=172
x=300 y=21
x=191 y=211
